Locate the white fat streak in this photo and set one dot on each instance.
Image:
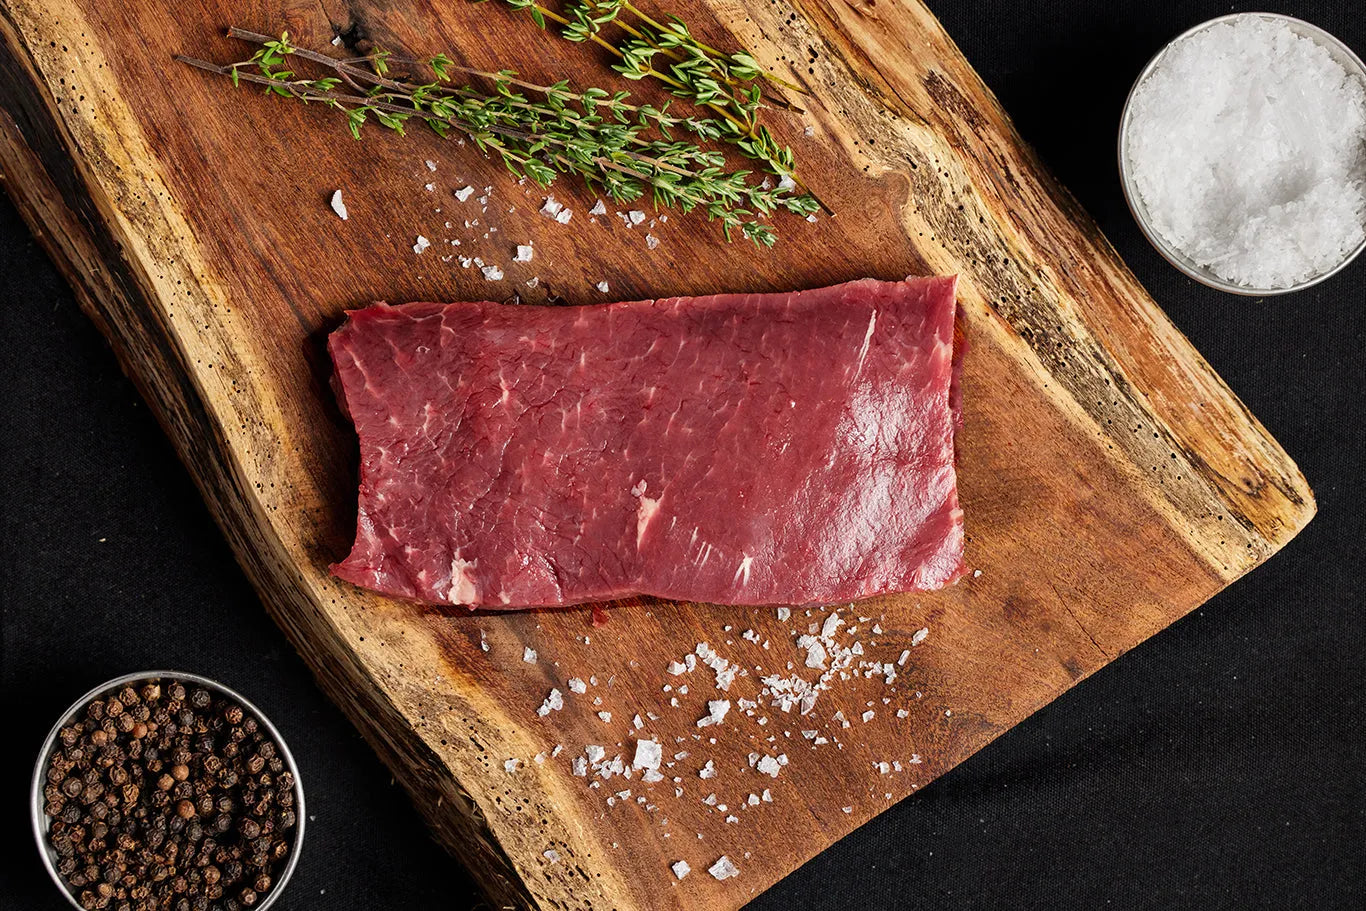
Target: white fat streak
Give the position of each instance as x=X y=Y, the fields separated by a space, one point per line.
x=463 y=590
x=742 y=574
x=867 y=339
x=645 y=511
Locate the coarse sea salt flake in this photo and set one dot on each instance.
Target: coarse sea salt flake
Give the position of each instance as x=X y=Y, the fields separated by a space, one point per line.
x=529 y=655
x=723 y=868
x=464 y=193
x=422 y=244
x=648 y=754
x=553 y=703
x=681 y=868
x=524 y=253
x=339 y=206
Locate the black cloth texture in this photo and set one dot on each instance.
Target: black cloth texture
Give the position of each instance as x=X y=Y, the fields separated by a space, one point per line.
x=1219 y=765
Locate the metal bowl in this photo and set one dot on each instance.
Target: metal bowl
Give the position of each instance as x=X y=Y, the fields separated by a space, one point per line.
x=41 y=820
x=1339 y=51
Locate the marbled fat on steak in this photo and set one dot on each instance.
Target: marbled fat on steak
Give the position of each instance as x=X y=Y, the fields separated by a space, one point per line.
x=788 y=448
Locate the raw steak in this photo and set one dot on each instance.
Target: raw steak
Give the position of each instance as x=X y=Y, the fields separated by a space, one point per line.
x=740 y=448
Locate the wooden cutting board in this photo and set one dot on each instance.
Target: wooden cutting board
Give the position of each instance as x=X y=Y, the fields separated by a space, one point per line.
x=1111 y=481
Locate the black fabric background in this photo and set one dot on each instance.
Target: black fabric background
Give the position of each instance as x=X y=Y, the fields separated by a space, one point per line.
x=1220 y=765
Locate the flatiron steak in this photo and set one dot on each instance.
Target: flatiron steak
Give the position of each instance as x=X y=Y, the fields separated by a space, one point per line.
x=788 y=448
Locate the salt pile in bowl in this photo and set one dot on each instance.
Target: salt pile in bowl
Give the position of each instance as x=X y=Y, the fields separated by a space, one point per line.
x=1247 y=147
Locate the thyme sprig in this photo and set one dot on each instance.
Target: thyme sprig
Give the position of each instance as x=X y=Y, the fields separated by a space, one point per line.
x=692 y=71
x=538 y=131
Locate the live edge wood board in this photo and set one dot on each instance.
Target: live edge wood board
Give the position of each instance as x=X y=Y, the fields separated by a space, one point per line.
x=1111 y=481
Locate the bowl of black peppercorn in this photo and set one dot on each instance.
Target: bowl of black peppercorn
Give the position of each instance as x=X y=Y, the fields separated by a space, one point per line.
x=167 y=791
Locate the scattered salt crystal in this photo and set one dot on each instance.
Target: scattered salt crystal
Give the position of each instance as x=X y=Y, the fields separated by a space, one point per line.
x=605 y=716
x=422 y=244
x=651 y=241
x=784 y=613
x=598 y=209
x=716 y=712
x=676 y=668
x=595 y=753
x=577 y=686
x=847 y=809
x=723 y=868
x=905 y=654
x=768 y=766
x=648 y=754
x=902 y=713
x=553 y=703
x=809 y=131
x=787 y=183
x=708 y=770
x=533 y=281
x=920 y=636
x=1245 y=147
x=636 y=216
x=976 y=573
x=552 y=207
x=681 y=869
x=563 y=216
x=552 y=855
x=429 y=187
x=603 y=287
x=529 y=655
x=339 y=206
x=637 y=723
x=336 y=42
x=463 y=194
x=492 y=273
x=524 y=253
x=431 y=165
x=830 y=626
x=511 y=765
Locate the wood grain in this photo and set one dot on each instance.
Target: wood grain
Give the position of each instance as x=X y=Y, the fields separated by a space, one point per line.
x=1111 y=481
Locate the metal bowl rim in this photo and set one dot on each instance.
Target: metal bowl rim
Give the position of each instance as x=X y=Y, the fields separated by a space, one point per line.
x=40 y=817
x=1139 y=212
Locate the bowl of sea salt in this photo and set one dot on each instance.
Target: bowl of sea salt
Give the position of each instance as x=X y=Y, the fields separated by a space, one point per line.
x=1242 y=153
